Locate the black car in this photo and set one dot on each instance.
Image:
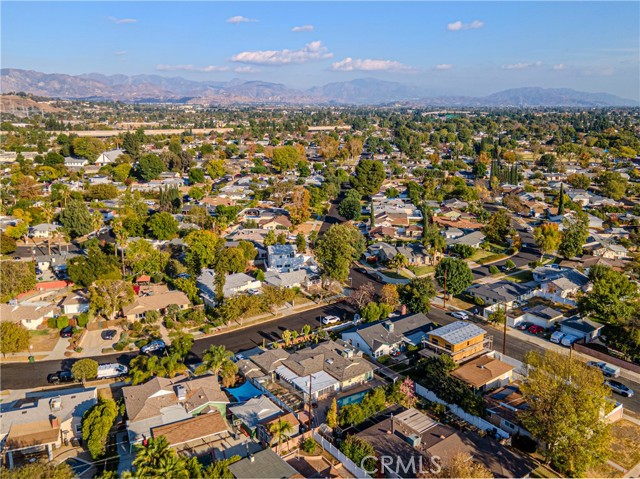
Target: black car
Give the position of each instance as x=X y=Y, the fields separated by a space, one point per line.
x=108 y=334
x=60 y=377
x=362 y=270
x=66 y=332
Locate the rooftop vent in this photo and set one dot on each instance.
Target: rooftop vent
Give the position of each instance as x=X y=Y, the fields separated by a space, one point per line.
x=181 y=392
x=55 y=404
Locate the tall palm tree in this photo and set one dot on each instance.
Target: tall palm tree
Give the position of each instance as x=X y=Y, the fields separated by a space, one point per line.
x=214 y=359
x=281 y=431
x=228 y=373
x=65 y=194
x=121 y=237
x=148 y=457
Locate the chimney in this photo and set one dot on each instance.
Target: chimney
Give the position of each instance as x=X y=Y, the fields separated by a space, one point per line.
x=389 y=326
x=403 y=309
x=55 y=422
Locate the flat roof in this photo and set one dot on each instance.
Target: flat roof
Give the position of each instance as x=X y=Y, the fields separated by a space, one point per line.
x=458 y=332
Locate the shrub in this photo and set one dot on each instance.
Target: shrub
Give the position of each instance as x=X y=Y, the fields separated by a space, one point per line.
x=479 y=301
x=384 y=359
x=62 y=322
x=493 y=269
x=119 y=346
x=157 y=277
x=83 y=320
x=169 y=323
x=206 y=328
x=309 y=445
x=78 y=349
x=510 y=264
x=52 y=323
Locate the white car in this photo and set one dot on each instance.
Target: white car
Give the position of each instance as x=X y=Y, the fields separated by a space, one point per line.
x=460 y=315
x=330 y=320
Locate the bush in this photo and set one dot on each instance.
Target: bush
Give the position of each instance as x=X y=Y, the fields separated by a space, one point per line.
x=206 y=328
x=479 y=301
x=83 y=320
x=493 y=269
x=309 y=445
x=62 y=322
x=157 y=277
x=119 y=346
x=52 y=323
x=384 y=359
x=169 y=323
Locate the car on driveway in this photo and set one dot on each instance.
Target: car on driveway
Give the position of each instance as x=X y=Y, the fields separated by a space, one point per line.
x=608 y=370
x=535 y=329
x=66 y=332
x=523 y=326
x=361 y=270
x=108 y=334
x=60 y=377
x=460 y=315
x=156 y=345
x=619 y=388
x=330 y=319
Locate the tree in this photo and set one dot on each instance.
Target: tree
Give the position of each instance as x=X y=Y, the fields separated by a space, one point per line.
x=547 y=236
x=163 y=226
x=40 y=470
x=548 y=161
x=76 y=218
x=498 y=227
x=359 y=451
x=7 y=244
x=87 y=147
x=215 y=359
x=143 y=258
x=281 y=430
x=281 y=238
x=566 y=401
x=150 y=167
x=216 y=169
x=96 y=425
x=84 y=270
x=340 y=245
x=612 y=184
x=84 y=369
x=417 y=294
x=464 y=250
x=270 y=238
x=14 y=338
x=561 y=200
x=299 y=211
x=231 y=260
x=332 y=414
x=329 y=147
x=389 y=295
x=407 y=390
x=285 y=158
x=132 y=142
x=457 y=273
x=203 y=249
x=462 y=466
x=181 y=344
x=613 y=297
x=369 y=175
x=362 y=295
x=157 y=459
x=196 y=175
x=574 y=236
x=110 y=296
x=350 y=207
x=17 y=277
x=499 y=316
x=398 y=262
x=301 y=243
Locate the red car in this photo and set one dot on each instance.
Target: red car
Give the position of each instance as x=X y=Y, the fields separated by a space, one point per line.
x=535 y=329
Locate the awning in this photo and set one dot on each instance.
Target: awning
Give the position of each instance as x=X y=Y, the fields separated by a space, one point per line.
x=245 y=392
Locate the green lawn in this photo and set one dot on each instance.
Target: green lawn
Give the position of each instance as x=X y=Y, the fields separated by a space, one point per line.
x=521 y=277
x=394 y=274
x=479 y=254
x=491 y=258
x=422 y=270
x=543 y=472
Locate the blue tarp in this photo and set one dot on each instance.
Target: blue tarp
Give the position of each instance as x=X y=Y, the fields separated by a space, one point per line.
x=245 y=392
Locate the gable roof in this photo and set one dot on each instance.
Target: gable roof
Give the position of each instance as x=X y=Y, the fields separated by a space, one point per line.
x=263 y=464
x=481 y=371
x=197 y=427
x=379 y=331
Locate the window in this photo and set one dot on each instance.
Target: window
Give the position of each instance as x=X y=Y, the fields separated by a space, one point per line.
x=78 y=428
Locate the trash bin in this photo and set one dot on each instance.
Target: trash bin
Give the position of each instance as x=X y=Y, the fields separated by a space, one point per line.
x=32 y=359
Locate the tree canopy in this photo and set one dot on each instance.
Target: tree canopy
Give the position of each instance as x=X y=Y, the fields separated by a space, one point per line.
x=417 y=294
x=337 y=248
x=458 y=275
x=369 y=175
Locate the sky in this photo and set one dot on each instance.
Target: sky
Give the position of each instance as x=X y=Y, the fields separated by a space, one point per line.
x=446 y=48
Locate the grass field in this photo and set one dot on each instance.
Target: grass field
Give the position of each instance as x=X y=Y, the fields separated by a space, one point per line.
x=480 y=254
x=491 y=258
x=422 y=270
x=520 y=277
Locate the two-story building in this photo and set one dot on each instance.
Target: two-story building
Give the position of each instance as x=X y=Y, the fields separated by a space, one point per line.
x=460 y=340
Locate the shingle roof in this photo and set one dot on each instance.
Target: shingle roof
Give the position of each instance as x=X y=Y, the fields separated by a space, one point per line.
x=481 y=371
x=265 y=464
x=191 y=429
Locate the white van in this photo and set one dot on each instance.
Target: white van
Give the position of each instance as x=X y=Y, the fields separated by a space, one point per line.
x=556 y=337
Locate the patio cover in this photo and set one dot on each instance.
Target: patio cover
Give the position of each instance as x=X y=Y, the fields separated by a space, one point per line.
x=245 y=392
x=319 y=381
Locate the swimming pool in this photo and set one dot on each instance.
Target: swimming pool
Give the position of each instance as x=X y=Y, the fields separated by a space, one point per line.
x=353 y=399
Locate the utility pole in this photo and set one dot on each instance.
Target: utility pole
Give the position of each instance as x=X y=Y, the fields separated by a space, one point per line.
x=504 y=334
x=310 y=403
x=444 y=295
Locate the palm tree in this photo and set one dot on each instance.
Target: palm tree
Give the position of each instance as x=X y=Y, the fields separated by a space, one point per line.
x=214 y=359
x=149 y=457
x=228 y=373
x=306 y=329
x=286 y=337
x=280 y=431
x=121 y=237
x=96 y=220
x=65 y=194
x=170 y=366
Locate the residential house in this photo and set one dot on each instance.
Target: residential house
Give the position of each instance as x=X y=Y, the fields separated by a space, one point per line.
x=473 y=239
x=540 y=315
x=460 y=340
x=415 y=253
x=382 y=337
x=503 y=293
x=109 y=157
x=161 y=401
x=55 y=261
x=293 y=279
x=503 y=408
x=189 y=436
x=276 y=223
x=43 y=230
x=75 y=303
x=75 y=162
x=265 y=463
x=581 y=328
x=43 y=421
x=608 y=250
x=381 y=252
x=253 y=412
x=238 y=283
x=264 y=429
x=484 y=373
x=568 y=285
x=154 y=298
x=452 y=233
x=284 y=258
x=30 y=315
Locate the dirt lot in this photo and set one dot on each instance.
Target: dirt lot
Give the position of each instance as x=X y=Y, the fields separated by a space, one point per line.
x=44 y=339
x=625 y=446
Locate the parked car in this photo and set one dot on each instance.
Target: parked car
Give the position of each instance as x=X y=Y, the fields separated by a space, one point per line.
x=523 y=326
x=395 y=353
x=535 y=329
x=361 y=270
x=60 y=377
x=568 y=340
x=619 y=388
x=330 y=320
x=608 y=370
x=108 y=334
x=556 y=337
x=460 y=315
x=153 y=346
x=66 y=332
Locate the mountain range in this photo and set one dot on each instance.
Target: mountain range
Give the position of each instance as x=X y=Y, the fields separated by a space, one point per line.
x=365 y=91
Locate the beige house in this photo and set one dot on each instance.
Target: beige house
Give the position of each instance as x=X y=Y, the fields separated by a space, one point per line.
x=29 y=315
x=155 y=298
x=484 y=373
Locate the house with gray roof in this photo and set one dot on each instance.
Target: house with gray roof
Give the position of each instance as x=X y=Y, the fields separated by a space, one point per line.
x=501 y=292
x=255 y=411
x=473 y=239
x=382 y=337
x=109 y=156
x=582 y=328
x=265 y=463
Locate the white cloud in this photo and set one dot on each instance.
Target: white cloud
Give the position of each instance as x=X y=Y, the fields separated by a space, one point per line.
x=521 y=65
x=246 y=69
x=559 y=66
x=311 y=51
x=457 y=26
x=368 y=65
x=444 y=66
x=241 y=19
x=120 y=53
x=303 y=28
x=122 y=21
x=192 y=68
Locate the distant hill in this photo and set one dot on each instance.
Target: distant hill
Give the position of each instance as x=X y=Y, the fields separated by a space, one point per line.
x=22 y=106
x=364 y=91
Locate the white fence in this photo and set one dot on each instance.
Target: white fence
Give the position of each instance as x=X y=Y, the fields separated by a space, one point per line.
x=458 y=411
x=352 y=467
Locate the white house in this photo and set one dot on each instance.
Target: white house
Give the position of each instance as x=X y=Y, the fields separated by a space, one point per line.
x=43 y=230
x=75 y=162
x=75 y=303
x=109 y=157
x=284 y=258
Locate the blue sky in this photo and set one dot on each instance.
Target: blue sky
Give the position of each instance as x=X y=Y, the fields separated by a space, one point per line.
x=465 y=48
